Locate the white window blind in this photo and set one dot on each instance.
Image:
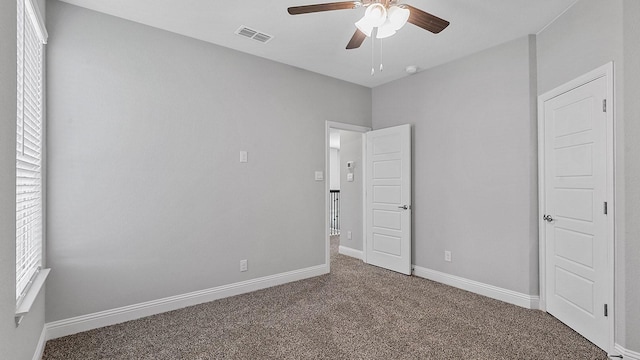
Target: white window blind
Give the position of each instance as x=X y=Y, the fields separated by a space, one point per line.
x=30 y=39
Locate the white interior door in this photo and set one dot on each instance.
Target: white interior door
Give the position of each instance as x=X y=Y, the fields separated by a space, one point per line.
x=388 y=209
x=575 y=190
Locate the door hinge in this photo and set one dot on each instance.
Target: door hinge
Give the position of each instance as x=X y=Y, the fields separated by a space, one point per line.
x=606 y=310
x=604 y=105
x=605 y=208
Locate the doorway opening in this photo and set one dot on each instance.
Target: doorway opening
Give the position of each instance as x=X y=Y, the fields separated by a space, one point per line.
x=375 y=195
x=334 y=183
x=344 y=190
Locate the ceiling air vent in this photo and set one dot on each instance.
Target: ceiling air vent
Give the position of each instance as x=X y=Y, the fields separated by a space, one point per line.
x=253 y=34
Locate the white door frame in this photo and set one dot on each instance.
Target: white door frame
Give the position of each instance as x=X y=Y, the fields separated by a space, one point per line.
x=606 y=71
x=348 y=127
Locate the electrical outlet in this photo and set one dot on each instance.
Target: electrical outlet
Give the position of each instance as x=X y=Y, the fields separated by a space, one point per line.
x=243 y=265
x=447 y=255
x=348 y=235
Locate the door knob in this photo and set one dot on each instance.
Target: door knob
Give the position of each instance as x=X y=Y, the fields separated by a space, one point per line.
x=404 y=207
x=547 y=218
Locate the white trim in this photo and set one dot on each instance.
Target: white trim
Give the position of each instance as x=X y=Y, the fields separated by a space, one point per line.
x=29 y=276
x=327 y=158
x=606 y=71
x=41 y=343
x=364 y=197
x=32 y=292
x=36 y=18
x=494 y=292
x=100 y=319
x=347 y=127
x=557 y=17
x=350 y=252
x=542 y=247
x=627 y=354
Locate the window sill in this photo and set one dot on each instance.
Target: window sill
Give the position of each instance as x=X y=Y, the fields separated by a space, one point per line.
x=31 y=296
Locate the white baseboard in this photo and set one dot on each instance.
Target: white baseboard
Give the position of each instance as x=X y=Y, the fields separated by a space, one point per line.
x=41 y=343
x=350 y=252
x=100 y=319
x=627 y=354
x=509 y=296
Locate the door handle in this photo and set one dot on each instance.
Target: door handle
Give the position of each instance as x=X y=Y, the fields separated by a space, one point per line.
x=404 y=207
x=547 y=218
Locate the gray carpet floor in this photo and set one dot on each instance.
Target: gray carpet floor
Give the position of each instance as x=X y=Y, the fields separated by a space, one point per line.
x=356 y=312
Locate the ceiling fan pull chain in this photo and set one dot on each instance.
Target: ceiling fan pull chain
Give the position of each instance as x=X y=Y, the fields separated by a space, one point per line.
x=373 y=41
x=381 y=67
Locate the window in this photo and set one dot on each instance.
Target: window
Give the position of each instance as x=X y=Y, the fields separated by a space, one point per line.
x=29 y=150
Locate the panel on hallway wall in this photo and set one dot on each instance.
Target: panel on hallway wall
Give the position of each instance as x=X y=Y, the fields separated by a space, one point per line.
x=351 y=191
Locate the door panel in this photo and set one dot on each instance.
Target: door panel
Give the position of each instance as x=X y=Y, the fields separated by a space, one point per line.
x=574 y=246
x=387 y=219
x=390 y=169
x=575 y=191
x=575 y=161
x=387 y=194
x=575 y=290
x=389 y=245
x=574 y=119
x=388 y=190
x=386 y=144
x=574 y=204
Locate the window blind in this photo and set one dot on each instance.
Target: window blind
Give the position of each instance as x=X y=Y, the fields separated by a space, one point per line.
x=29 y=142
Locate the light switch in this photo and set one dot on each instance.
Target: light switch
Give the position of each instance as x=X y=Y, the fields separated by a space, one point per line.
x=349 y=177
x=244 y=157
x=319 y=176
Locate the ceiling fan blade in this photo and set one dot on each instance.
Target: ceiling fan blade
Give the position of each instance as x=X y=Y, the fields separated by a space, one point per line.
x=305 y=9
x=425 y=20
x=356 y=40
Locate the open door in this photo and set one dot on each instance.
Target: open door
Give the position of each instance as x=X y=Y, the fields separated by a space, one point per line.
x=388 y=204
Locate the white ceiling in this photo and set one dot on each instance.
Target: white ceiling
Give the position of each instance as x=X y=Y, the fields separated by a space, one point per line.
x=316 y=42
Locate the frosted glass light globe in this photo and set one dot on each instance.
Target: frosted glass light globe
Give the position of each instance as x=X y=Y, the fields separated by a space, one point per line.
x=376 y=14
x=398 y=16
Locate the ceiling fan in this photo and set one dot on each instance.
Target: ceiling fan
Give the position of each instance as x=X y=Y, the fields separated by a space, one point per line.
x=387 y=16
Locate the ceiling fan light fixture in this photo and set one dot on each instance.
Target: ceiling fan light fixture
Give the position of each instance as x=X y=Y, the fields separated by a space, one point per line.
x=364 y=26
x=376 y=14
x=398 y=16
x=387 y=29
x=385 y=16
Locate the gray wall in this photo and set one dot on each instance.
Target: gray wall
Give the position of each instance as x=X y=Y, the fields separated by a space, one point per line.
x=474 y=167
x=15 y=343
x=632 y=170
x=591 y=34
x=147 y=198
x=351 y=191
x=585 y=37
x=334 y=169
